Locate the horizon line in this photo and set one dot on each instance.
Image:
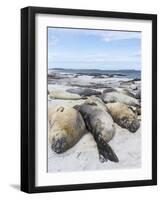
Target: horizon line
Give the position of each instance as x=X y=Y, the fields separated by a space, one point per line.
x=57 y=68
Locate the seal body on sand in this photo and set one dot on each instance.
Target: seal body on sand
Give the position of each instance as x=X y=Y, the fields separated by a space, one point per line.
x=59 y=94
x=112 y=97
x=110 y=89
x=101 y=125
x=83 y=91
x=124 y=116
x=66 y=127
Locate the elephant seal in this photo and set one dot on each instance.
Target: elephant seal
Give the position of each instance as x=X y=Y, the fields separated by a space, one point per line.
x=66 y=127
x=112 y=97
x=101 y=125
x=124 y=116
x=59 y=94
x=83 y=91
x=109 y=89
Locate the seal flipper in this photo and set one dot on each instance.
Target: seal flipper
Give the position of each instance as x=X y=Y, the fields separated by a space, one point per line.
x=105 y=151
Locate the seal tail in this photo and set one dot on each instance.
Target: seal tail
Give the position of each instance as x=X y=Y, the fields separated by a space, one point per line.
x=105 y=151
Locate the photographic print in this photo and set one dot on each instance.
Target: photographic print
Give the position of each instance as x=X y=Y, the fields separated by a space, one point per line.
x=88 y=99
x=94 y=99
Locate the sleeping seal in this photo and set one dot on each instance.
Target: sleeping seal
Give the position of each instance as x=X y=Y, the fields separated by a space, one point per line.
x=124 y=116
x=60 y=94
x=66 y=127
x=101 y=125
x=112 y=97
x=83 y=91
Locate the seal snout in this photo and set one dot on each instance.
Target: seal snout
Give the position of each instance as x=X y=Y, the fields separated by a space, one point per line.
x=134 y=126
x=59 y=145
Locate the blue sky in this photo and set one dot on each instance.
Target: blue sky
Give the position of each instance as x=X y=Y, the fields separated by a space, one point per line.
x=93 y=49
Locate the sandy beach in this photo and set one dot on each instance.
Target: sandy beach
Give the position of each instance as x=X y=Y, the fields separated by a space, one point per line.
x=84 y=155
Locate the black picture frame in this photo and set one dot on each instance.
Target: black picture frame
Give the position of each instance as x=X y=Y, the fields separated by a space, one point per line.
x=28 y=98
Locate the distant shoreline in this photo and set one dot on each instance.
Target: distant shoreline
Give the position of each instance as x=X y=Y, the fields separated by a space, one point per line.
x=99 y=73
x=92 y=69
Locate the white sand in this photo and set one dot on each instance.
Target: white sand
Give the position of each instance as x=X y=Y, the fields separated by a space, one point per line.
x=84 y=155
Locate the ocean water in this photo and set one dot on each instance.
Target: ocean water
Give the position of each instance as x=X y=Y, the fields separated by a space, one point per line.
x=131 y=74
